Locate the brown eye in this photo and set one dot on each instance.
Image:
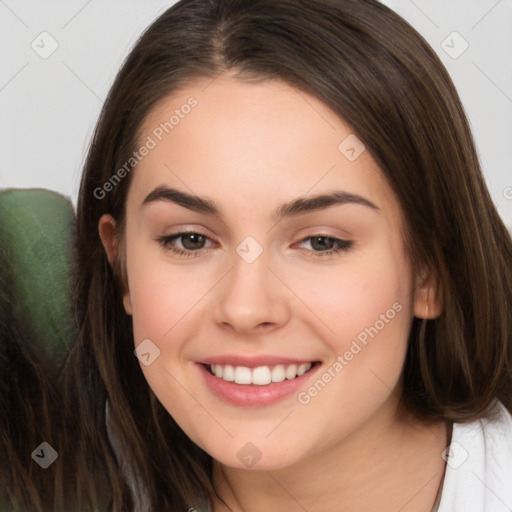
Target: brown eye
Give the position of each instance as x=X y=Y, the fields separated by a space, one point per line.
x=323 y=245
x=191 y=243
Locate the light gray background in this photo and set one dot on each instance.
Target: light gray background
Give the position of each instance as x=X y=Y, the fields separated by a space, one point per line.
x=49 y=106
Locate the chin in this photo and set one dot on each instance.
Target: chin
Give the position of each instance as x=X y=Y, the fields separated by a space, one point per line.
x=255 y=456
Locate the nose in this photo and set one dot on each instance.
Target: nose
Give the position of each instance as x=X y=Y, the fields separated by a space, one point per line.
x=252 y=298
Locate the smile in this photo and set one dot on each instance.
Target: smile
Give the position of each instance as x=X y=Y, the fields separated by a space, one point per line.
x=259 y=376
x=256 y=385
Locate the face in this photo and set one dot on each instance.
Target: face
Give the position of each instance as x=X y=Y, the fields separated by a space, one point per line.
x=257 y=291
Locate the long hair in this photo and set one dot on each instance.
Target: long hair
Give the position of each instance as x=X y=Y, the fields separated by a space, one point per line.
x=30 y=405
x=381 y=77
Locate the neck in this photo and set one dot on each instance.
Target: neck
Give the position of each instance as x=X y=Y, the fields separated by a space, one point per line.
x=392 y=460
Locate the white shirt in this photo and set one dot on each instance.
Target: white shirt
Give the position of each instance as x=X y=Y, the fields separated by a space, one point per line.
x=478 y=475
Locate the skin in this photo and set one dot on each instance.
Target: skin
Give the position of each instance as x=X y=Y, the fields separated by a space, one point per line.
x=251 y=147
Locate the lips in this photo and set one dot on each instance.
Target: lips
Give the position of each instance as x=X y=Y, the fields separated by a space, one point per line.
x=254 y=387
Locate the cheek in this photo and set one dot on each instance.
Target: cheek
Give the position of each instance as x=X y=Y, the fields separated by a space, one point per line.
x=367 y=309
x=164 y=300
x=162 y=295
x=367 y=293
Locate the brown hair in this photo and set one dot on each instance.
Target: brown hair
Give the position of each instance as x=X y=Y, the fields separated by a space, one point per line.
x=30 y=402
x=370 y=67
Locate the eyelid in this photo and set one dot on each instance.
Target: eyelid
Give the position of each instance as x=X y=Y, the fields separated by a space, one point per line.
x=185 y=230
x=163 y=239
x=341 y=245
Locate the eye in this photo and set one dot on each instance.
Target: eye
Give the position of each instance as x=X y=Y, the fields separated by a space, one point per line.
x=327 y=245
x=191 y=242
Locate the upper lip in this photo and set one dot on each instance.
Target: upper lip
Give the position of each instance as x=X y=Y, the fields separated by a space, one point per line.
x=254 y=361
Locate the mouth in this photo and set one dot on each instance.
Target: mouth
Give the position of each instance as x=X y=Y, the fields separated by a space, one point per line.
x=260 y=375
x=257 y=386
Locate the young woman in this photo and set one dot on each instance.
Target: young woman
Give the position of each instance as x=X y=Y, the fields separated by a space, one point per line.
x=293 y=289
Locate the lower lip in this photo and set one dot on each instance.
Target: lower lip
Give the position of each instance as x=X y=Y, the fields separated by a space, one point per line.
x=252 y=394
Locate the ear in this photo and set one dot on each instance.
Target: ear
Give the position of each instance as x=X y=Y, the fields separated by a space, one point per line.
x=107 y=231
x=109 y=239
x=427 y=300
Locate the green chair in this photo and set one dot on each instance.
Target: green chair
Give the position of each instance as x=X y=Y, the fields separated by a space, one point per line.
x=36 y=237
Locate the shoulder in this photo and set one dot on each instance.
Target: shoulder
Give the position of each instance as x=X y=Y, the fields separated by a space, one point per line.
x=479 y=465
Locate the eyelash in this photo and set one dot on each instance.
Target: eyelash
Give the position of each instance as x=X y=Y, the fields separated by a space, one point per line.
x=164 y=241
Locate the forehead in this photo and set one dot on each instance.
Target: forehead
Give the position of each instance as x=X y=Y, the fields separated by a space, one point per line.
x=248 y=142
x=231 y=111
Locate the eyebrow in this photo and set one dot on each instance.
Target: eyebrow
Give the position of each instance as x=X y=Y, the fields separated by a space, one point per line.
x=293 y=208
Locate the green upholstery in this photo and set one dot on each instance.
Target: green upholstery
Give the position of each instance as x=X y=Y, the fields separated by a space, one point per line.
x=36 y=233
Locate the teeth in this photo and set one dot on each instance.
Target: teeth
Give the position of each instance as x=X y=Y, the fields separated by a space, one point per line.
x=228 y=373
x=301 y=370
x=242 y=375
x=291 y=371
x=261 y=376
x=278 y=373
